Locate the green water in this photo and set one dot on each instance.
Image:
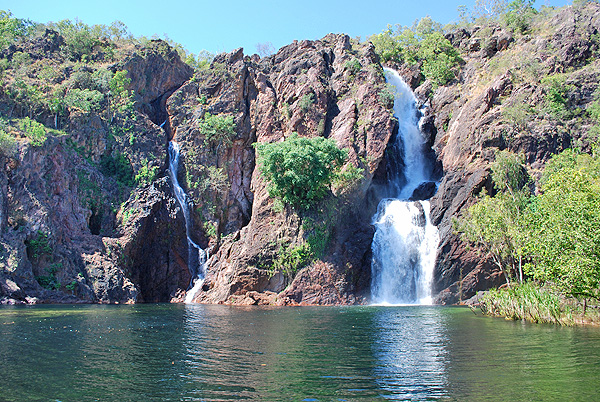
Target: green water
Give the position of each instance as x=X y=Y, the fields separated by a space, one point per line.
x=218 y=353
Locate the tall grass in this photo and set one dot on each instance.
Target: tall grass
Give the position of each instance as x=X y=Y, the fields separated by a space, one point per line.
x=527 y=302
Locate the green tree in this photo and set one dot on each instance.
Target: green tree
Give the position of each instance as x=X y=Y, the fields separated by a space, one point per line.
x=300 y=170
x=519 y=15
x=496 y=223
x=386 y=45
x=12 y=29
x=218 y=129
x=563 y=229
x=424 y=44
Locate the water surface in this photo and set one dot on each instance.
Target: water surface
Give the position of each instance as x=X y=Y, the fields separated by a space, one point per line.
x=166 y=352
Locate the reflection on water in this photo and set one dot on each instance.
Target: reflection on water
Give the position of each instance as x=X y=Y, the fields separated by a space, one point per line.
x=218 y=353
x=410 y=350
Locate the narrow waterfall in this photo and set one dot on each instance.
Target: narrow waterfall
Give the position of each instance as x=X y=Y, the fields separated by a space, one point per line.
x=405 y=242
x=197 y=257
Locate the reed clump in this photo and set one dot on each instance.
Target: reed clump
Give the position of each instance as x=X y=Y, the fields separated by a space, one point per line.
x=529 y=302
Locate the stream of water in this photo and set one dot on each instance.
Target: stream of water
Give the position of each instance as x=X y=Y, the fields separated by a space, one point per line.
x=405 y=242
x=197 y=257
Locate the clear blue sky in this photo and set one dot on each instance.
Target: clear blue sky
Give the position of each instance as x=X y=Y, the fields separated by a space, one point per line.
x=224 y=25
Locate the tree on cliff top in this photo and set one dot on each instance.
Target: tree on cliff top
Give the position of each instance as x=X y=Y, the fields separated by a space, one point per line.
x=301 y=170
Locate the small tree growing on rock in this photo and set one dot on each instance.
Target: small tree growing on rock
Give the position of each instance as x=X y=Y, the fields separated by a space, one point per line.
x=301 y=170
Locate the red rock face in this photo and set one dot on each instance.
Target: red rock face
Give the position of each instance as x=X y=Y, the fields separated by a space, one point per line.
x=306 y=88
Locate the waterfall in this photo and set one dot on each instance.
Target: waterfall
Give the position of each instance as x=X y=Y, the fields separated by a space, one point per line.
x=405 y=242
x=197 y=257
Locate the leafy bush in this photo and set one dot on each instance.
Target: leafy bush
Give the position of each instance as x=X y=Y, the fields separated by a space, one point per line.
x=353 y=66
x=84 y=99
x=422 y=43
x=557 y=91
x=201 y=61
x=519 y=15
x=218 y=129
x=146 y=174
x=556 y=233
x=518 y=114
x=300 y=170
x=12 y=29
x=306 y=102
x=8 y=144
x=80 y=39
x=496 y=223
x=50 y=281
x=563 y=228
x=386 y=45
x=120 y=95
x=35 y=131
x=38 y=245
x=119 y=167
x=292 y=258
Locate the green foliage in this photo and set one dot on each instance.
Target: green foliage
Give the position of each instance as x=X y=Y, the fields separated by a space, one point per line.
x=594 y=109
x=84 y=99
x=386 y=96
x=353 y=66
x=118 y=166
x=26 y=98
x=13 y=29
x=8 y=145
x=556 y=96
x=495 y=223
x=218 y=129
x=439 y=58
x=527 y=302
x=556 y=233
x=20 y=59
x=36 y=132
x=292 y=258
x=518 y=114
x=519 y=15
x=424 y=44
x=509 y=174
x=300 y=170
x=201 y=61
x=563 y=229
x=80 y=39
x=348 y=179
x=306 y=102
x=38 y=245
x=121 y=96
x=386 y=45
x=50 y=281
x=146 y=174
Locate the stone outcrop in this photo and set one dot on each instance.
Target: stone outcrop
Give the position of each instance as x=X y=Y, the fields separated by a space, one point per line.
x=471 y=124
x=305 y=88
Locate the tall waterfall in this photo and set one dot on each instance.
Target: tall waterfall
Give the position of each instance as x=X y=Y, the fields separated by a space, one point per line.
x=197 y=257
x=405 y=242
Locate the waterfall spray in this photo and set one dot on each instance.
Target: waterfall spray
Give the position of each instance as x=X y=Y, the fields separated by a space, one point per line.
x=405 y=242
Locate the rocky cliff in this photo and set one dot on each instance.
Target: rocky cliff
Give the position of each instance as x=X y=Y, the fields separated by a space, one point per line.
x=89 y=215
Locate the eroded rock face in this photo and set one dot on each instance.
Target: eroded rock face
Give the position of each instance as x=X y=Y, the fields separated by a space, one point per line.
x=472 y=124
x=70 y=231
x=307 y=88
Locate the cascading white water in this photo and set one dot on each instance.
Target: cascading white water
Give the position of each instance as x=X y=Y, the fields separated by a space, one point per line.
x=405 y=242
x=197 y=257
